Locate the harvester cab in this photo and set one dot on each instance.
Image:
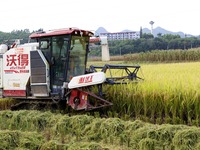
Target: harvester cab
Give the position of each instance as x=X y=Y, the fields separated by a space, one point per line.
x=52 y=66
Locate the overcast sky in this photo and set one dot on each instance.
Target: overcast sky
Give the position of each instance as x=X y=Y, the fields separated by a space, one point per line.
x=113 y=15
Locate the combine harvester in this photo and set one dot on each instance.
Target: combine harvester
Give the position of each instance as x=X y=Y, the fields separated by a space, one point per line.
x=52 y=68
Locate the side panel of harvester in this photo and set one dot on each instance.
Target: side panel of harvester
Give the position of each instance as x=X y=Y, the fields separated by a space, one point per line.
x=16 y=71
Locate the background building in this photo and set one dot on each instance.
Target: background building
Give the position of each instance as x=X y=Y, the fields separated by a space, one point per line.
x=121 y=35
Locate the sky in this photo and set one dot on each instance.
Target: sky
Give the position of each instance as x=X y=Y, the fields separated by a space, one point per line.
x=113 y=15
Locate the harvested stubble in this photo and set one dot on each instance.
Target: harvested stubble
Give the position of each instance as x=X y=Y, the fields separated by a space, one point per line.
x=45 y=130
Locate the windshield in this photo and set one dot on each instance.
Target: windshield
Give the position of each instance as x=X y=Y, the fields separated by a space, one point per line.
x=77 y=56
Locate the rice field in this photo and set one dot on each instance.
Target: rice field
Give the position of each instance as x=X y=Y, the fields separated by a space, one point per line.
x=169 y=94
x=161 y=112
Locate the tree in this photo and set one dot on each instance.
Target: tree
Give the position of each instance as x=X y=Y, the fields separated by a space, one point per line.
x=147 y=36
x=140 y=32
x=15 y=34
x=159 y=43
x=168 y=38
x=159 y=35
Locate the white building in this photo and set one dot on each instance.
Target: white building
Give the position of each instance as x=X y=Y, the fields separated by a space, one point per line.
x=121 y=35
